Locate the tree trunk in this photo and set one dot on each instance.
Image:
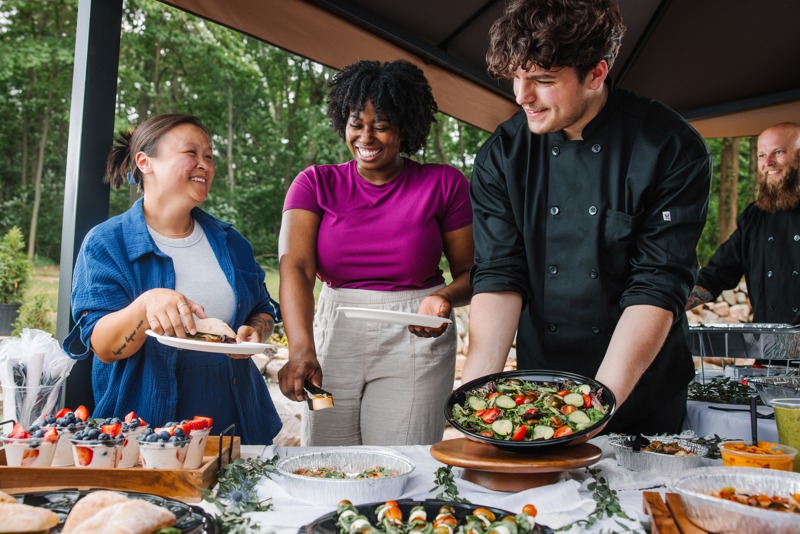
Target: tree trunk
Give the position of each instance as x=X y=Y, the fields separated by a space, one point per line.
x=231 y=182
x=441 y=157
x=753 y=170
x=37 y=176
x=291 y=119
x=728 y=188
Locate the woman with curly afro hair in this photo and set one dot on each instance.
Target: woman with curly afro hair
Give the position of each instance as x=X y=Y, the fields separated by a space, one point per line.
x=373 y=230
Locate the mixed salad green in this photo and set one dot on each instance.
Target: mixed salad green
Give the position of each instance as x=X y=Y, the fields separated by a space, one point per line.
x=519 y=410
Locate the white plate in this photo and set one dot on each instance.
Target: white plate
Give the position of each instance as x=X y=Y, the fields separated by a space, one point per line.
x=208 y=346
x=394 y=317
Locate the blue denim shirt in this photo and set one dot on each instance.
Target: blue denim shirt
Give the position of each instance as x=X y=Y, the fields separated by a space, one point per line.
x=119 y=261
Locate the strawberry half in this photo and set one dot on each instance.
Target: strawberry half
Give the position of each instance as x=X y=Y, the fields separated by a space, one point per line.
x=62 y=412
x=209 y=422
x=51 y=435
x=111 y=430
x=84 y=455
x=130 y=417
x=19 y=431
x=82 y=413
x=29 y=456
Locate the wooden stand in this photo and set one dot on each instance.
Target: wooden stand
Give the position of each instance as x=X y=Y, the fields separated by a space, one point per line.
x=500 y=470
x=669 y=517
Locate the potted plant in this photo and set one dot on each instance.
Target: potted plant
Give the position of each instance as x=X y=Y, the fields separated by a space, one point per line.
x=15 y=268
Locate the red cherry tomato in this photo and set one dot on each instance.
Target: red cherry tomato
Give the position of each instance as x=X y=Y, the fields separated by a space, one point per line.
x=587 y=401
x=562 y=431
x=562 y=393
x=519 y=399
x=520 y=433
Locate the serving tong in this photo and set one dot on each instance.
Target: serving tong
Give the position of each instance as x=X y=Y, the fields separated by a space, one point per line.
x=315 y=391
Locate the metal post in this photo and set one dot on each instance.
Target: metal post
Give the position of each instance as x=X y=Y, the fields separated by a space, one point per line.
x=91 y=129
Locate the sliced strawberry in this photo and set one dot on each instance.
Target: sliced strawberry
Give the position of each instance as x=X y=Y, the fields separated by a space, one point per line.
x=210 y=421
x=84 y=455
x=19 y=431
x=130 y=417
x=142 y=422
x=29 y=456
x=111 y=430
x=170 y=429
x=82 y=413
x=194 y=424
x=62 y=412
x=51 y=435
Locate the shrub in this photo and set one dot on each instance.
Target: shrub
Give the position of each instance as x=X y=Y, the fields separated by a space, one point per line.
x=15 y=268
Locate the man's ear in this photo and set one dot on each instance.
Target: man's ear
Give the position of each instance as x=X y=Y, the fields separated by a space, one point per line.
x=143 y=162
x=597 y=76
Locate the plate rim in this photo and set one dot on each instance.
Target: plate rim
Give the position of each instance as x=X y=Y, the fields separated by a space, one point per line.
x=205 y=346
x=409 y=315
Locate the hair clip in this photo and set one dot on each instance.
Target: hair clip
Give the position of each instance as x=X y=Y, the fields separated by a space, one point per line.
x=131 y=180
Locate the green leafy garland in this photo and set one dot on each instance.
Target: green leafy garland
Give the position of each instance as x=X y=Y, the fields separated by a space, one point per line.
x=446 y=482
x=237 y=494
x=607 y=505
x=723 y=390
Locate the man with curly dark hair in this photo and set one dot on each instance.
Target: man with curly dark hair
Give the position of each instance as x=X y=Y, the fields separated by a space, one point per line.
x=588 y=205
x=373 y=230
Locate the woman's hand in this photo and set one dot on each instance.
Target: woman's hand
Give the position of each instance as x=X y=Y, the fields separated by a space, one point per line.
x=436 y=305
x=169 y=312
x=297 y=370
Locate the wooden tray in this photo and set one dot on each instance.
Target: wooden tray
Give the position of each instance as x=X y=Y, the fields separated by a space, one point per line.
x=669 y=517
x=181 y=484
x=496 y=469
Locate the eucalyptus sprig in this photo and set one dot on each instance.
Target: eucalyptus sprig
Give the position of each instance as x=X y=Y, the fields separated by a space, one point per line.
x=607 y=505
x=721 y=389
x=446 y=482
x=237 y=494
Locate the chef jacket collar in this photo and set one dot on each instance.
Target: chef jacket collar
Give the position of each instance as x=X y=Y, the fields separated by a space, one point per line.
x=598 y=122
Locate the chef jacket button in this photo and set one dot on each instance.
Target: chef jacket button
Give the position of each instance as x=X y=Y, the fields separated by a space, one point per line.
x=553 y=269
x=797 y=238
x=555 y=151
x=592 y=210
x=795 y=273
x=593 y=273
x=596 y=148
x=552 y=327
x=770 y=239
x=769 y=274
x=554 y=210
x=770 y=308
x=595 y=329
x=794 y=309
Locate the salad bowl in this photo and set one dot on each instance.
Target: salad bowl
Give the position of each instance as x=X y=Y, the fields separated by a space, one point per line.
x=514 y=430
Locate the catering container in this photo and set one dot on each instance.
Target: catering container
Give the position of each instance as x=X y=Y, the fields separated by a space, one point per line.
x=766 y=456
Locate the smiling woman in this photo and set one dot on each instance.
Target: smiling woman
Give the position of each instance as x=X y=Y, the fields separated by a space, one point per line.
x=139 y=272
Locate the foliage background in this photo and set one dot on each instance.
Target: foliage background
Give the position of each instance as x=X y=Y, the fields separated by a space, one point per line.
x=265 y=106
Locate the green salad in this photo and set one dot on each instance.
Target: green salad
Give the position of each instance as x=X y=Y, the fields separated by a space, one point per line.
x=519 y=410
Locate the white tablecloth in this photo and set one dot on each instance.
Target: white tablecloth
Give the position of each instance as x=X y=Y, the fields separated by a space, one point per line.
x=704 y=421
x=558 y=504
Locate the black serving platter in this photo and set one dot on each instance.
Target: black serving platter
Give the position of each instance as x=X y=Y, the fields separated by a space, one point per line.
x=554 y=377
x=327 y=523
x=190 y=519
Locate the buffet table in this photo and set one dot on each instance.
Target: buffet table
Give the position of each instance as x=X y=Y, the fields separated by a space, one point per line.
x=558 y=504
x=704 y=420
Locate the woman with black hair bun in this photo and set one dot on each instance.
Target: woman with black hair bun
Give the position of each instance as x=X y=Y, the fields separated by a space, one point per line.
x=373 y=230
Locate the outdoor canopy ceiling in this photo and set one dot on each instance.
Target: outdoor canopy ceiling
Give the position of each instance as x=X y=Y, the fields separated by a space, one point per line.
x=732 y=67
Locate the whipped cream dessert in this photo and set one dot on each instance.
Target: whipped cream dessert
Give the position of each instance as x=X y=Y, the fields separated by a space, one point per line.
x=67 y=423
x=30 y=452
x=161 y=450
x=197 y=447
x=93 y=448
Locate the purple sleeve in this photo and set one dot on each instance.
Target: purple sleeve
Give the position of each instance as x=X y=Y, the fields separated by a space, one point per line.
x=458 y=209
x=302 y=194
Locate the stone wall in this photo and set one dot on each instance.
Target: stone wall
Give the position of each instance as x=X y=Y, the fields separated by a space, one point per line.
x=732 y=306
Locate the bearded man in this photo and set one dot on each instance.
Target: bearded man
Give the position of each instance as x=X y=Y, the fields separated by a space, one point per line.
x=765 y=247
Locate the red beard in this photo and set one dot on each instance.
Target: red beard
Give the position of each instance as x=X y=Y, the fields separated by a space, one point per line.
x=783 y=195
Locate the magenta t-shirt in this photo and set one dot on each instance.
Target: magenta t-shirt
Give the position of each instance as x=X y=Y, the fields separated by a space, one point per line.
x=382 y=237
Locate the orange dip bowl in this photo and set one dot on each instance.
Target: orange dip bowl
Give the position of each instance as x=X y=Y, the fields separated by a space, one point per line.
x=765 y=456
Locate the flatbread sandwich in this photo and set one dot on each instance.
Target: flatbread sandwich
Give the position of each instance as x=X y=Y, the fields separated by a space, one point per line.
x=213 y=330
x=16 y=517
x=108 y=512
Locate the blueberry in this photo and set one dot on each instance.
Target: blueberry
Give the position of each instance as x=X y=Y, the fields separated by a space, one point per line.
x=164 y=435
x=179 y=432
x=39 y=433
x=93 y=433
x=50 y=419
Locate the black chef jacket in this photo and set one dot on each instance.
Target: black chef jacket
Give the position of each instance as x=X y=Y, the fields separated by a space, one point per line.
x=765 y=249
x=583 y=229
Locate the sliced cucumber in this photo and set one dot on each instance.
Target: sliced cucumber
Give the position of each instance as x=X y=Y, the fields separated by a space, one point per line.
x=502 y=427
x=582 y=426
x=543 y=432
x=584 y=388
x=477 y=403
x=574 y=399
x=579 y=417
x=505 y=402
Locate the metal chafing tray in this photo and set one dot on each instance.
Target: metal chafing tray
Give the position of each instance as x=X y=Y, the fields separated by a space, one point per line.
x=765 y=341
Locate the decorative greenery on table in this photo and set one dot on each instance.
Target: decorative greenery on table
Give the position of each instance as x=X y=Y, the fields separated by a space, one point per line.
x=607 y=505
x=723 y=390
x=446 y=482
x=237 y=494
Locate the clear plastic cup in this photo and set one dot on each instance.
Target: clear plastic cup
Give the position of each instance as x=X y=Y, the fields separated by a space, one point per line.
x=765 y=456
x=63 y=456
x=787 y=417
x=163 y=455
x=197 y=448
x=130 y=447
x=30 y=452
x=96 y=453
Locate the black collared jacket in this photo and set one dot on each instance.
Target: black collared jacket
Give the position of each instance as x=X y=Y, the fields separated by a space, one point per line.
x=584 y=229
x=765 y=249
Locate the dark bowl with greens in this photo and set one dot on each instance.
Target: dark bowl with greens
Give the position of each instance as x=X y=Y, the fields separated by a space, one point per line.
x=523 y=411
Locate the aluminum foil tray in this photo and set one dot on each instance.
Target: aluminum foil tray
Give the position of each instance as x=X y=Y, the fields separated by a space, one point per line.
x=329 y=491
x=727 y=517
x=776 y=387
x=653 y=462
x=768 y=341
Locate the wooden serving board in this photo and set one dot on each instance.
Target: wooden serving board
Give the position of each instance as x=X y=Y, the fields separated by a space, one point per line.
x=668 y=517
x=181 y=484
x=501 y=470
